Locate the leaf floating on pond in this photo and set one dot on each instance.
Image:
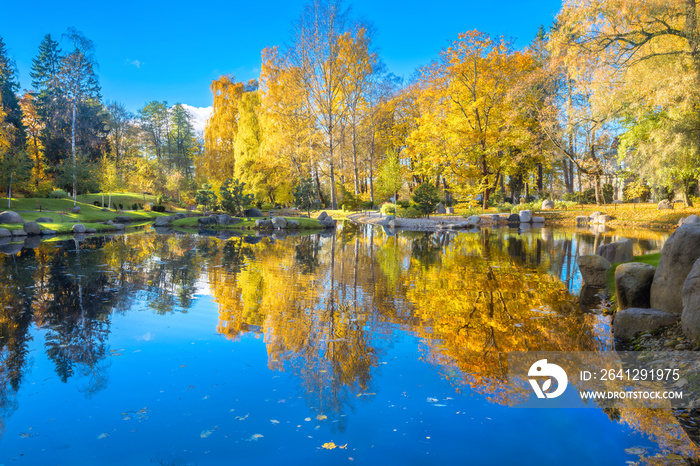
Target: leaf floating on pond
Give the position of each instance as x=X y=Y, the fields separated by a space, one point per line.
x=103 y=435
x=321 y=417
x=274 y=421
x=329 y=445
x=255 y=437
x=307 y=419
x=635 y=451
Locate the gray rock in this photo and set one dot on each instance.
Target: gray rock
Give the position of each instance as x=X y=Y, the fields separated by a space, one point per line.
x=4 y=233
x=76 y=209
x=514 y=218
x=387 y=219
x=525 y=216
x=19 y=233
x=474 y=219
x=78 y=228
x=547 y=204
x=328 y=222
x=122 y=219
x=633 y=284
x=678 y=256
x=594 y=269
x=322 y=216
x=109 y=222
x=619 y=251
x=279 y=222
x=602 y=219
x=440 y=208
x=631 y=321
x=252 y=213
x=665 y=204
x=594 y=216
x=304 y=216
x=223 y=219
x=263 y=224
x=691 y=219
x=119 y=226
x=44 y=220
x=690 y=318
x=163 y=221
x=450 y=210
x=394 y=223
x=582 y=220
x=180 y=215
x=91 y=230
x=32 y=228
x=206 y=220
x=292 y=224
x=10 y=217
x=538 y=220
x=525 y=226
x=48 y=232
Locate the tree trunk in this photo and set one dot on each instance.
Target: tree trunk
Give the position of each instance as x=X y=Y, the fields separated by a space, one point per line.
x=9 y=192
x=75 y=167
x=596 y=179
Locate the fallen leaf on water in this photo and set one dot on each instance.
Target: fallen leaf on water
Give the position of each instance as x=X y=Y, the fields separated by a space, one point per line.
x=307 y=419
x=274 y=421
x=329 y=445
x=343 y=447
x=205 y=433
x=243 y=418
x=635 y=451
x=321 y=417
x=103 y=435
x=256 y=436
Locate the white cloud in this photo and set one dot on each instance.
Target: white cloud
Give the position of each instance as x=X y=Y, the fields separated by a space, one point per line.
x=199 y=116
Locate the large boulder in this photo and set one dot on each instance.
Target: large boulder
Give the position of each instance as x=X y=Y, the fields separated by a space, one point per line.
x=594 y=216
x=539 y=220
x=263 y=224
x=252 y=213
x=44 y=220
x=547 y=204
x=440 y=208
x=322 y=216
x=594 y=269
x=19 y=233
x=394 y=223
x=206 y=220
x=76 y=209
x=619 y=251
x=633 y=284
x=10 y=217
x=601 y=219
x=474 y=220
x=122 y=219
x=582 y=220
x=690 y=318
x=514 y=218
x=525 y=216
x=279 y=222
x=631 y=321
x=5 y=233
x=32 y=228
x=292 y=224
x=678 y=256
x=163 y=221
x=119 y=226
x=690 y=219
x=387 y=219
x=224 y=219
x=78 y=228
x=665 y=204
x=328 y=222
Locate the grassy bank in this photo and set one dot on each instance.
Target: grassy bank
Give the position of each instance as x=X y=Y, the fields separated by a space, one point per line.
x=244 y=224
x=625 y=215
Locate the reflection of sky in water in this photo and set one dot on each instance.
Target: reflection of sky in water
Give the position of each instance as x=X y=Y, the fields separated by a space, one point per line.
x=173 y=390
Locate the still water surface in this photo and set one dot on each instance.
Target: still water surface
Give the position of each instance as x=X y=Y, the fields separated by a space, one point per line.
x=186 y=349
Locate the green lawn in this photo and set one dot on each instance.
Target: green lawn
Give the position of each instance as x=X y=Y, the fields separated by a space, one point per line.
x=651 y=259
x=60 y=211
x=244 y=224
x=126 y=199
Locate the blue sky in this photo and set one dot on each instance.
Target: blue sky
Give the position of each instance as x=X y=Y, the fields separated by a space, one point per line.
x=172 y=50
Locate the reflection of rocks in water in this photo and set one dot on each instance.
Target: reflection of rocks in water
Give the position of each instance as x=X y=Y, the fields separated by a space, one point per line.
x=32 y=242
x=590 y=298
x=598 y=229
x=547 y=234
x=252 y=239
x=279 y=235
x=163 y=230
x=79 y=237
x=525 y=227
x=11 y=248
x=389 y=231
x=326 y=233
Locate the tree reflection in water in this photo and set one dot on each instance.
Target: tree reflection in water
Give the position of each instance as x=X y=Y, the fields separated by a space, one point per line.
x=327 y=307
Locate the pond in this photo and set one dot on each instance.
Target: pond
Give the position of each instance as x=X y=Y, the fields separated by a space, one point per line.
x=359 y=345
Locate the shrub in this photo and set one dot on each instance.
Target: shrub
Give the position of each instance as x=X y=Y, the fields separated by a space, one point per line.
x=426 y=198
x=96 y=203
x=121 y=206
x=387 y=209
x=134 y=206
x=58 y=194
x=158 y=208
x=366 y=205
x=505 y=207
x=410 y=212
x=527 y=206
x=266 y=206
x=404 y=204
